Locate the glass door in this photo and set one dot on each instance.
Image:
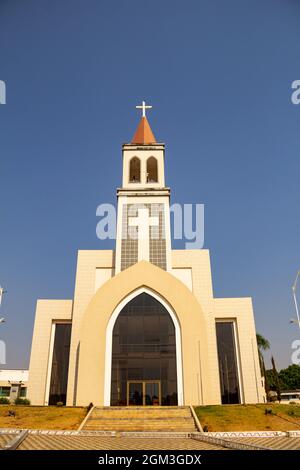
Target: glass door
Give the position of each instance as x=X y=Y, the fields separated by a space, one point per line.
x=135 y=393
x=152 y=393
x=144 y=393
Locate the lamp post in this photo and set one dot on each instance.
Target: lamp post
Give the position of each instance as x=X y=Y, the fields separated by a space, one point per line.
x=293 y=320
x=2 y=291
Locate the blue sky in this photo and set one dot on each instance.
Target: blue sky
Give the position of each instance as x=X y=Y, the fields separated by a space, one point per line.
x=218 y=75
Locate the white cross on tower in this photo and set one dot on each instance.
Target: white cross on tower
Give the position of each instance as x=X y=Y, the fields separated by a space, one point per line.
x=143 y=106
x=143 y=222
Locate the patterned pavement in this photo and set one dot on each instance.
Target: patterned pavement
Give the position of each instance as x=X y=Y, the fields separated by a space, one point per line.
x=276 y=443
x=91 y=441
x=59 y=442
x=4 y=439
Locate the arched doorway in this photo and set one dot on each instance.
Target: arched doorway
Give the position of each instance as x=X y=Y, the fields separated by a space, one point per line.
x=145 y=343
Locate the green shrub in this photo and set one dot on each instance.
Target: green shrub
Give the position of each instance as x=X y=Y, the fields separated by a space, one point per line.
x=22 y=401
x=4 y=401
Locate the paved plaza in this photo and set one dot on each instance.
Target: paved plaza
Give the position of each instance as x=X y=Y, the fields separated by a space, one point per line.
x=94 y=441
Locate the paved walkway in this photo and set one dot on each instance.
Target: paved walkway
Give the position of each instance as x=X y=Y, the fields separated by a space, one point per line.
x=95 y=441
x=40 y=442
x=278 y=443
x=4 y=439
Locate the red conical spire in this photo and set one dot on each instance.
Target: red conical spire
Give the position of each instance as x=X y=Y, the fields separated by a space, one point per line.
x=143 y=133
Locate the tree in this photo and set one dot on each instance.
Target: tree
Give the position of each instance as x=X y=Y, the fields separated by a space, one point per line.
x=290 y=377
x=277 y=381
x=262 y=345
x=271 y=379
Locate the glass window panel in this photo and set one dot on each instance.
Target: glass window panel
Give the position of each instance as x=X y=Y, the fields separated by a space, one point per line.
x=23 y=392
x=227 y=363
x=135 y=391
x=60 y=364
x=4 y=391
x=152 y=393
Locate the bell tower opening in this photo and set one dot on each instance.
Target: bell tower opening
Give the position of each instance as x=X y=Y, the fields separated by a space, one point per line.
x=152 y=174
x=135 y=170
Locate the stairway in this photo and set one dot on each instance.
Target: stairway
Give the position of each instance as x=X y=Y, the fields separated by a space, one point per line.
x=141 y=419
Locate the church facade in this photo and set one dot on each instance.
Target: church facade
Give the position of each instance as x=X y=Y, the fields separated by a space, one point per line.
x=144 y=327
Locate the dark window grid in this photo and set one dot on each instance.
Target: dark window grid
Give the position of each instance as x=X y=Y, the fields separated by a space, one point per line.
x=228 y=370
x=60 y=364
x=143 y=360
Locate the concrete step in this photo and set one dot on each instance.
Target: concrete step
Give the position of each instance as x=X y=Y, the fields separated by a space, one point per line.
x=129 y=412
x=142 y=419
x=151 y=419
x=139 y=422
x=141 y=429
x=140 y=415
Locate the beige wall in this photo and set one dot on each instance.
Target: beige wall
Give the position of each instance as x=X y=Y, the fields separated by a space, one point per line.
x=13 y=375
x=6 y=383
x=47 y=312
x=199 y=262
x=87 y=263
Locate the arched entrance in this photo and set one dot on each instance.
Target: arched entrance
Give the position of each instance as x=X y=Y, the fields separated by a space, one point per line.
x=143 y=353
x=92 y=383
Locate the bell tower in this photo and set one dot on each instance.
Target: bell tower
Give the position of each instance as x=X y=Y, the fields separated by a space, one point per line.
x=143 y=224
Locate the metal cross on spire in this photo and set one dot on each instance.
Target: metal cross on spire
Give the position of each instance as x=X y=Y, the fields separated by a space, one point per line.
x=143 y=107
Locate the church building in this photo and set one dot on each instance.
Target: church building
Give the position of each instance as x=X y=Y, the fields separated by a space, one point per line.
x=144 y=327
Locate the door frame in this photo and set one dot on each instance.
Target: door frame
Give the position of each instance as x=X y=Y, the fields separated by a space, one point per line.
x=144 y=382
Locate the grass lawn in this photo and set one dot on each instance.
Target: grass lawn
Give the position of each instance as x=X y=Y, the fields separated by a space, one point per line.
x=41 y=417
x=249 y=417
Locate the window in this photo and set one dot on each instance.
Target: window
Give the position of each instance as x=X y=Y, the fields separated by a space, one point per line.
x=4 y=391
x=23 y=392
x=228 y=368
x=60 y=364
x=135 y=170
x=144 y=351
x=152 y=176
